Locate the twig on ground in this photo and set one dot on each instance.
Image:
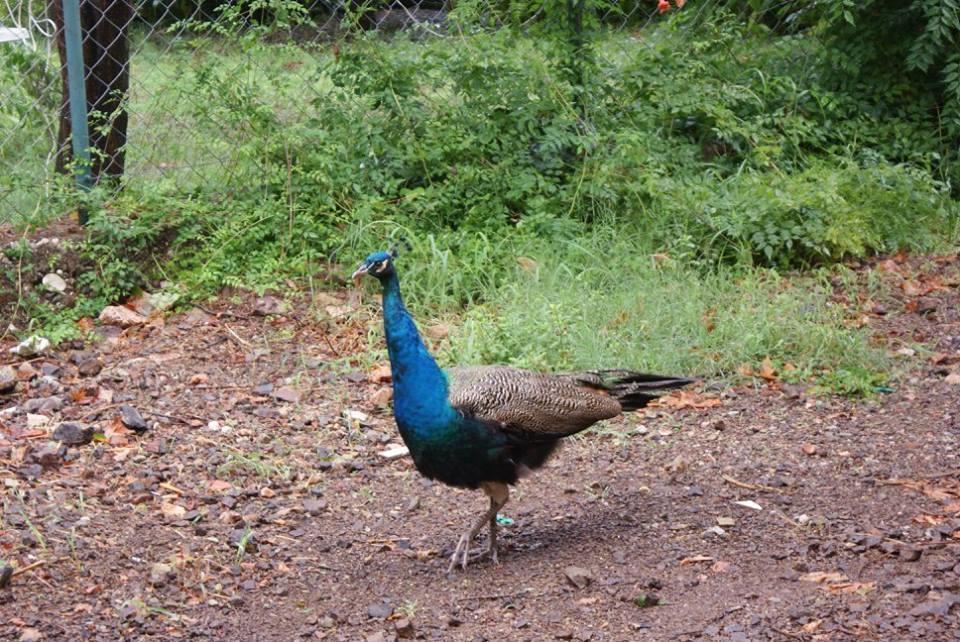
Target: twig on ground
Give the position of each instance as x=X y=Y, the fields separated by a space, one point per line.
x=740 y=484
x=30 y=567
x=97 y=411
x=243 y=342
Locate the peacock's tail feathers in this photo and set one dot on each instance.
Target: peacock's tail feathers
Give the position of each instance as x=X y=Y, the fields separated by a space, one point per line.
x=632 y=389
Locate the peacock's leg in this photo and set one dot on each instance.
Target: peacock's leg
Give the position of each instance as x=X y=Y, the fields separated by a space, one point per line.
x=499 y=494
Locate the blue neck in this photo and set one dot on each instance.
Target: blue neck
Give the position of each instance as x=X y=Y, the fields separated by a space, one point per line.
x=420 y=402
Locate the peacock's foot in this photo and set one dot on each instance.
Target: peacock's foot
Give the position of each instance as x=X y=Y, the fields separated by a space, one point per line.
x=462 y=555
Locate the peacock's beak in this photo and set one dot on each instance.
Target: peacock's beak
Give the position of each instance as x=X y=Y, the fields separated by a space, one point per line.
x=363 y=269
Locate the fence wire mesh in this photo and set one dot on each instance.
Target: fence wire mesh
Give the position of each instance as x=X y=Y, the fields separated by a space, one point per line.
x=174 y=88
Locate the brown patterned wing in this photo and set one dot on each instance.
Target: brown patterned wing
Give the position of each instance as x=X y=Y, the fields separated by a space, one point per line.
x=529 y=402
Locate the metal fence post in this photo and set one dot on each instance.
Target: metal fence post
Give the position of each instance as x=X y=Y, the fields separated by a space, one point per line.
x=578 y=50
x=79 y=130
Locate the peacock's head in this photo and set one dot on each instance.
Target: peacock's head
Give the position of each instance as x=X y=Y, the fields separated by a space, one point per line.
x=378 y=264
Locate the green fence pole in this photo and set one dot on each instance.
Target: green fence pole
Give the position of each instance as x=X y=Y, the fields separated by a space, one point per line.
x=578 y=49
x=77 y=91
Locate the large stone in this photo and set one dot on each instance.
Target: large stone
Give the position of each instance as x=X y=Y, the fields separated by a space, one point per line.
x=132 y=419
x=121 y=316
x=55 y=283
x=73 y=434
x=8 y=379
x=31 y=346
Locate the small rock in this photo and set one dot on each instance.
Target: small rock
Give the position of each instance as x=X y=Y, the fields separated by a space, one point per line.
x=288 y=394
x=161 y=573
x=30 y=635
x=726 y=522
x=380 y=610
x=927 y=305
x=748 y=503
x=73 y=434
x=909 y=553
x=715 y=531
x=8 y=379
x=6 y=574
x=268 y=305
x=229 y=517
x=90 y=367
x=54 y=283
x=195 y=317
x=314 y=506
x=31 y=346
x=264 y=389
x=132 y=419
x=43 y=405
x=326 y=622
x=579 y=577
x=678 y=466
x=48 y=369
x=360 y=418
x=404 y=628
x=121 y=316
x=48 y=456
x=26 y=372
x=37 y=421
x=953 y=379
x=809 y=449
x=381 y=397
x=939 y=608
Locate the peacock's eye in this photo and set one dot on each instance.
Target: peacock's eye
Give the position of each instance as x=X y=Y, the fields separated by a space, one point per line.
x=382 y=266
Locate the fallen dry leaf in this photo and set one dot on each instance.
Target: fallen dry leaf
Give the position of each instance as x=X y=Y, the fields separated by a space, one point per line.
x=766 y=370
x=910 y=288
x=380 y=373
x=811 y=626
x=720 y=566
x=219 y=486
x=929 y=520
x=685 y=399
x=198 y=379
x=527 y=264
x=116 y=433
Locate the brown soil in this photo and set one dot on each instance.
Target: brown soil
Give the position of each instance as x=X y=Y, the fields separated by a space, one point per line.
x=243 y=516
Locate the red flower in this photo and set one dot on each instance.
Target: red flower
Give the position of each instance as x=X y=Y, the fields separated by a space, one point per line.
x=663 y=6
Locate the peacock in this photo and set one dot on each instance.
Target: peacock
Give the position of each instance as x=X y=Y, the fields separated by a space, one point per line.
x=486 y=426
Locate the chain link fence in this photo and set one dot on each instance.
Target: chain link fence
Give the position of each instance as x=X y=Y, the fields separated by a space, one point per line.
x=148 y=124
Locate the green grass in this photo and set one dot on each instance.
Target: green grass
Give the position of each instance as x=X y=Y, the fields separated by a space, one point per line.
x=655 y=238
x=607 y=299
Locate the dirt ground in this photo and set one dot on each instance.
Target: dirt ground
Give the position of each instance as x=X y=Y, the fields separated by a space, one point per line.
x=257 y=504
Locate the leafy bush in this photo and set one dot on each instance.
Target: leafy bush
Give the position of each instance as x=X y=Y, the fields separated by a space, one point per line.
x=713 y=142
